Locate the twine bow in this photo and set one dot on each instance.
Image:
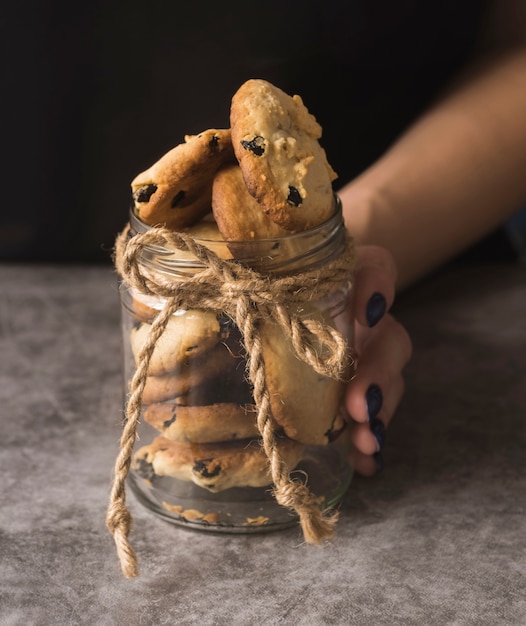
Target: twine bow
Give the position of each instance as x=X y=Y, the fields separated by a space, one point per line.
x=246 y=297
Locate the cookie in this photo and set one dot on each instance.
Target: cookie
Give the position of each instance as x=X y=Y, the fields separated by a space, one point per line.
x=275 y=140
x=235 y=390
x=217 y=367
x=238 y=215
x=202 y=424
x=176 y=191
x=304 y=403
x=214 y=467
x=188 y=335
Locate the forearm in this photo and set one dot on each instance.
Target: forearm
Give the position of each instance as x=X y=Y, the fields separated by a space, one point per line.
x=455 y=175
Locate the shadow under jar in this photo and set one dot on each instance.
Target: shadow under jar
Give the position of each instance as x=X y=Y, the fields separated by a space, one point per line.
x=199 y=459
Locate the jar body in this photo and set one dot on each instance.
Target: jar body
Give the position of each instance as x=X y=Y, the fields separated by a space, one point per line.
x=199 y=460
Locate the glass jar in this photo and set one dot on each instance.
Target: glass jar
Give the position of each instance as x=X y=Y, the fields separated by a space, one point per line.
x=203 y=449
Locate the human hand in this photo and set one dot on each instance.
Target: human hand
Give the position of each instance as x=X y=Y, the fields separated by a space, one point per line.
x=383 y=348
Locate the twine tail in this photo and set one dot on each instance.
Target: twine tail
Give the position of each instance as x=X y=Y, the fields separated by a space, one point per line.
x=316 y=524
x=118 y=518
x=118 y=521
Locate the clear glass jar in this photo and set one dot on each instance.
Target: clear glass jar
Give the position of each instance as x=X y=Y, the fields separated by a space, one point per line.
x=198 y=460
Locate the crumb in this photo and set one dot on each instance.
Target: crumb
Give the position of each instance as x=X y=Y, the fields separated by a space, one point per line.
x=256 y=521
x=191 y=514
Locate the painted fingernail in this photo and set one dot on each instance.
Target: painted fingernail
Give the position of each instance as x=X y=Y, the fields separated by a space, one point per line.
x=376 y=308
x=374 y=400
x=378 y=459
x=378 y=429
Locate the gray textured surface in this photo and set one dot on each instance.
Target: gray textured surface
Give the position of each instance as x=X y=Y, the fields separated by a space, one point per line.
x=438 y=538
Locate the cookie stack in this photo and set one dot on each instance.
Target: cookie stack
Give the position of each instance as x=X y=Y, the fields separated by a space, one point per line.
x=265 y=178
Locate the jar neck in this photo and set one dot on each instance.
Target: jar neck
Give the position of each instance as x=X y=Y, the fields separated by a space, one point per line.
x=290 y=254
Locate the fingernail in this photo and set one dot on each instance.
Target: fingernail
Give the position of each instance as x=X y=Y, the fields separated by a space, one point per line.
x=376 y=308
x=378 y=429
x=378 y=459
x=373 y=399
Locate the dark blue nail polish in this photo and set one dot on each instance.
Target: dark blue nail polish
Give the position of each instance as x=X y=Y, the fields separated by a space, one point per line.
x=378 y=429
x=376 y=308
x=378 y=459
x=374 y=400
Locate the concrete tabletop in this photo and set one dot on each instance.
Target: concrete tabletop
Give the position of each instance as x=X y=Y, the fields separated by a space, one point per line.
x=438 y=538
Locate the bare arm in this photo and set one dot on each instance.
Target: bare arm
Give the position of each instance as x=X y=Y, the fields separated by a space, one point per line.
x=458 y=172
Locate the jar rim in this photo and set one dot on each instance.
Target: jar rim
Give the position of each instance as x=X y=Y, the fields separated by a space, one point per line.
x=138 y=226
x=279 y=255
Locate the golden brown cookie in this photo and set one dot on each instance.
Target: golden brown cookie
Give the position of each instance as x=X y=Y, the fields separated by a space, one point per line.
x=176 y=191
x=216 y=466
x=285 y=169
x=304 y=403
x=202 y=424
x=188 y=335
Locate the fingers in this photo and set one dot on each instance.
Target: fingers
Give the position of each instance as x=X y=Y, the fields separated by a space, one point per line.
x=375 y=392
x=383 y=348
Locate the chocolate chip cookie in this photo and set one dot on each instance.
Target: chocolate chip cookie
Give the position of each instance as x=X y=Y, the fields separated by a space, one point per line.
x=204 y=423
x=275 y=140
x=304 y=403
x=189 y=334
x=176 y=191
x=214 y=467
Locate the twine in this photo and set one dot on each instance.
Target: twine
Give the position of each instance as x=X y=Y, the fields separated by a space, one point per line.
x=246 y=297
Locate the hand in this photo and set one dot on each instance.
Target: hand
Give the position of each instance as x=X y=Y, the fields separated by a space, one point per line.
x=383 y=347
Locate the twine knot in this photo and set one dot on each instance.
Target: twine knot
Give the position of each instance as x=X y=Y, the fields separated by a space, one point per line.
x=247 y=297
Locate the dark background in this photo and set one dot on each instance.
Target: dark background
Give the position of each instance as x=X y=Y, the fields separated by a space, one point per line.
x=93 y=93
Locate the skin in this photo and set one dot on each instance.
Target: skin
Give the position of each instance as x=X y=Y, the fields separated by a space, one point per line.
x=458 y=172
x=417 y=207
x=382 y=352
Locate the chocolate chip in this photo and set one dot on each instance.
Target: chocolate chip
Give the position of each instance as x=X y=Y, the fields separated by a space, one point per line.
x=294 y=196
x=256 y=145
x=145 y=470
x=177 y=198
x=168 y=423
x=214 y=142
x=144 y=193
x=201 y=467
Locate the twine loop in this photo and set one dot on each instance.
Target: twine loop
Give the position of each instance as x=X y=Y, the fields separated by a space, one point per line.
x=247 y=297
